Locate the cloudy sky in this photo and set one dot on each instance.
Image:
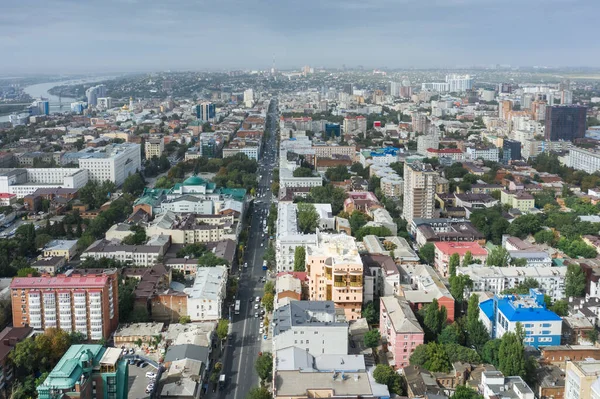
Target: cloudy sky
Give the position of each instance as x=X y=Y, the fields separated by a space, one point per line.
x=149 y=35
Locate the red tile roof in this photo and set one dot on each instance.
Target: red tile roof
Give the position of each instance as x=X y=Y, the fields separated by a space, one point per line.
x=59 y=282
x=461 y=248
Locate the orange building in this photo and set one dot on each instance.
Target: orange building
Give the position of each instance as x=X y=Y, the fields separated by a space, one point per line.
x=87 y=304
x=335 y=273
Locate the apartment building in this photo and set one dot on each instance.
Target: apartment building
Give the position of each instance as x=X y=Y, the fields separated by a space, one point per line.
x=9 y=338
x=582 y=380
x=401 y=330
x=84 y=303
x=326 y=150
x=455 y=154
x=584 y=159
x=190 y=228
x=336 y=273
x=355 y=125
x=23 y=182
x=154 y=147
x=206 y=296
x=115 y=162
x=252 y=148
x=419 y=191
x=87 y=372
x=380 y=157
x=421 y=285
x=520 y=200
x=444 y=250
x=495 y=385
x=498 y=279
x=316 y=327
x=486 y=153
x=502 y=313
x=135 y=255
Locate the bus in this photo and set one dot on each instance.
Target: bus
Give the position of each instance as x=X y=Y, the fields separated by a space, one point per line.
x=237 y=307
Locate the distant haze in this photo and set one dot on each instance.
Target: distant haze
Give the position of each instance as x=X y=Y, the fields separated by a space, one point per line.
x=66 y=36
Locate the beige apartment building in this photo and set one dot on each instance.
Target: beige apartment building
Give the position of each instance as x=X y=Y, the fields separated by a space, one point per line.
x=580 y=377
x=419 y=191
x=154 y=147
x=335 y=273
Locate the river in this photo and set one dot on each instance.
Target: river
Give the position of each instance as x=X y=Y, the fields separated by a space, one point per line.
x=41 y=90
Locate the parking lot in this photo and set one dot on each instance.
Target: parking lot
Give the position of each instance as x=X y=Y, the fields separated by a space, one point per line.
x=138 y=381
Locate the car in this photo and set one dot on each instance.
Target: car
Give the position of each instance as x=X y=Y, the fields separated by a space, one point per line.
x=132 y=361
x=262 y=244
x=262 y=324
x=139 y=363
x=246 y=264
x=144 y=365
x=257 y=299
x=150 y=374
x=256 y=306
x=256 y=314
x=131 y=351
x=261 y=330
x=148 y=390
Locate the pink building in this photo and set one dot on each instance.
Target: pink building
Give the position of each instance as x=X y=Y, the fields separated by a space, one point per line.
x=444 y=250
x=401 y=330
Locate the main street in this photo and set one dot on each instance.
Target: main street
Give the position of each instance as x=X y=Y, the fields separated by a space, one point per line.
x=245 y=342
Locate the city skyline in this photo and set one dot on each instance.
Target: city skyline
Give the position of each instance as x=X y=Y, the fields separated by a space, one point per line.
x=67 y=36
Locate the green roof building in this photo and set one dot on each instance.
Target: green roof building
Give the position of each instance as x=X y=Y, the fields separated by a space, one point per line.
x=87 y=372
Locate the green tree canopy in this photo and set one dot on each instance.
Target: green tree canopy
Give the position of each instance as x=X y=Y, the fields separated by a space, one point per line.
x=337 y=173
x=498 y=256
x=467 y=259
x=511 y=354
x=299 y=259
x=574 y=281
x=303 y=172
x=453 y=263
x=308 y=218
x=427 y=253
x=264 y=366
x=259 y=393
x=386 y=375
x=371 y=338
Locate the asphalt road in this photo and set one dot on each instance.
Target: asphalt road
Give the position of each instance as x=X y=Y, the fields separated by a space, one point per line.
x=244 y=345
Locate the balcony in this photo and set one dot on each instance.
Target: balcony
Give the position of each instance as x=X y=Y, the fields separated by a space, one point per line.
x=356 y=285
x=339 y=284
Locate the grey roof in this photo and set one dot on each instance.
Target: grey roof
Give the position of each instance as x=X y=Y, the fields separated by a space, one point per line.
x=179 y=352
x=300 y=313
x=294 y=358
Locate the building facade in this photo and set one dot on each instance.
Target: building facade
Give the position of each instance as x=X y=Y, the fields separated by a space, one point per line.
x=419 y=191
x=206 y=296
x=565 y=122
x=83 y=303
x=114 y=162
x=400 y=328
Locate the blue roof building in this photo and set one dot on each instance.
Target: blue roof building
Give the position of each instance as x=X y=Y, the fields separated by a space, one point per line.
x=502 y=313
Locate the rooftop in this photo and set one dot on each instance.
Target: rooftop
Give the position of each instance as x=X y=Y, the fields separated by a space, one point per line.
x=61 y=281
x=208 y=283
x=401 y=315
x=461 y=248
x=139 y=329
x=297 y=383
x=313 y=313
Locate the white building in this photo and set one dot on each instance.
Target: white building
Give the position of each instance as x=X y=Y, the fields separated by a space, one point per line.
x=582 y=159
x=419 y=191
x=497 y=279
x=316 y=327
x=495 y=385
x=114 y=162
x=154 y=147
x=104 y=103
x=288 y=237
x=485 y=153
x=249 y=98
x=135 y=255
x=22 y=182
x=188 y=204
x=206 y=296
x=382 y=218
x=249 y=147
x=459 y=83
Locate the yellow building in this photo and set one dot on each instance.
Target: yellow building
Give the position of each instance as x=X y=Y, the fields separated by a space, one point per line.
x=518 y=199
x=154 y=147
x=336 y=273
x=63 y=248
x=579 y=379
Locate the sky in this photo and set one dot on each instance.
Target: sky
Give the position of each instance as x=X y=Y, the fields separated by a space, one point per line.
x=84 y=36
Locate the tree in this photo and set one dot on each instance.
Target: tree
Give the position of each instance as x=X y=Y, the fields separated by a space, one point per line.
x=299 y=259
x=267 y=301
x=545 y=237
x=386 y=375
x=524 y=287
x=134 y=184
x=427 y=253
x=467 y=259
x=328 y=194
x=458 y=284
x=264 y=366
x=337 y=173
x=41 y=240
x=25 y=235
x=490 y=351
x=592 y=336
x=379 y=231
x=452 y=334
x=259 y=393
x=223 y=329
x=371 y=313
x=431 y=356
x=560 y=307
x=574 y=281
x=458 y=353
x=269 y=288
x=137 y=238
x=357 y=220
x=511 y=354
x=498 y=256
x=308 y=218
x=477 y=336
x=184 y=319
x=371 y=338
x=524 y=225
x=28 y=271
x=464 y=392
x=453 y=263
x=434 y=319
x=303 y=172
x=472 y=310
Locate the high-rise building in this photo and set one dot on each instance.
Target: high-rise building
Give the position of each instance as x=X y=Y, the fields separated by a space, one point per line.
x=419 y=191
x=105 y=102
x=249 y=97
x=336 y=273
x=207 y=111
x=459 y=83
x=78 y=107
x=93 y=93
x=511 y=150
x=565 y=122
x=566 y=97
x=505 y=88
x=347 y=88
x=505 y=108
x=87 y=372
x=394 y=89
x=43 y=107
x=114 y=162
x=83 y=303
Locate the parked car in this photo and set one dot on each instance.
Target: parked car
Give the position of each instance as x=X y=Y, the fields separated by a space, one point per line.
x=150 y=374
